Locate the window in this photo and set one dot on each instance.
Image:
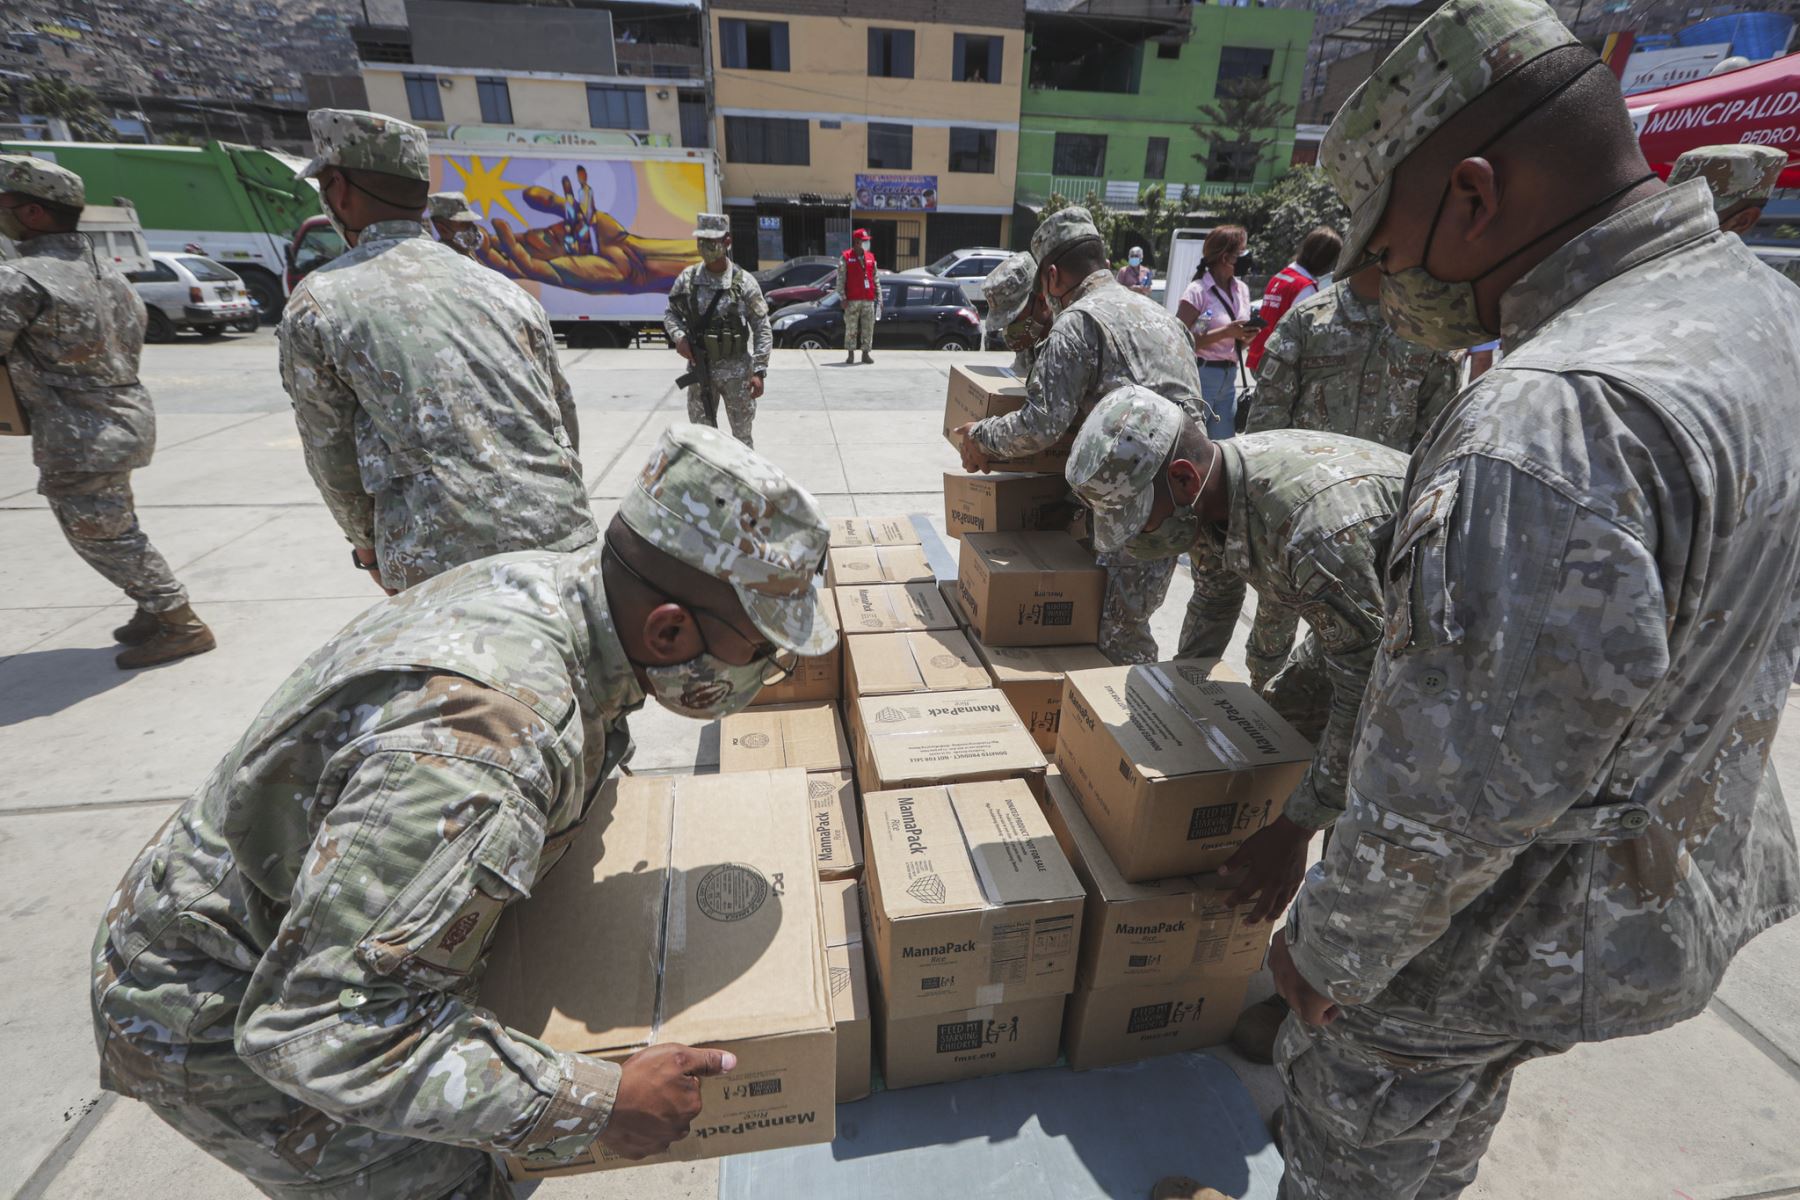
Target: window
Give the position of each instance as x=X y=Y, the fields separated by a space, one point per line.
x=496 y=101
x=890 y=147
x=774 y=141
x=696 y=130
x=613 y=107
x=206 y=270
x=753 y=45
x=972 y=268
x=1080 y=154
x=1168 y=49
x=1156 y=158
x=1231 y=162
x=891 y=53
x=1242 y=62
x=422 y=98
x=975 y=58
x=972 y=150
x=159 y=272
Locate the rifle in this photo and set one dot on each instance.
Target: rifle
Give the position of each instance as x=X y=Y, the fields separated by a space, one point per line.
x=702 y=367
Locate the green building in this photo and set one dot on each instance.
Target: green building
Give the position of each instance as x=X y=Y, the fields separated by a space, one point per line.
x=1114 y=89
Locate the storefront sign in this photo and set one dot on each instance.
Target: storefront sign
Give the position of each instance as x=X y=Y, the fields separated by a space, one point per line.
x=917 y=193
x=507 y=135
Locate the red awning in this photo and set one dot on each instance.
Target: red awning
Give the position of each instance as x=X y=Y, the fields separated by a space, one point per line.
x=1757 y=104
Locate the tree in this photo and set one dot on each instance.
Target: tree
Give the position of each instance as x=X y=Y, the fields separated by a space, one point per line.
x=1251 y=112
x=1278 y=217
x=69 y=102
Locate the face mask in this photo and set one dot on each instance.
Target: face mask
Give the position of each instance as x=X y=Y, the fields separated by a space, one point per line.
x=467 y=239
x=707 y=686
x=1022 y=333
x=1137 y=260
x=712 y=252
x=11 y=226
x=862 y=247
x=1178 y=530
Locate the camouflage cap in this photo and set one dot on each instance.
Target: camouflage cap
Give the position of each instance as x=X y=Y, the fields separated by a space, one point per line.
x=1008 y=289
x=366 y=141
x=43 y=180
x=711 y=227
x=1455 y=54
x=1060 y=230
x=1734 y=173
x=449 y=206
x=1116 y=458
x=708 y=500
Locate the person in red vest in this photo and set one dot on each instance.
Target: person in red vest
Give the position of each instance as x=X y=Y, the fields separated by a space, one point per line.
x=861 y=297
x=1294 y=283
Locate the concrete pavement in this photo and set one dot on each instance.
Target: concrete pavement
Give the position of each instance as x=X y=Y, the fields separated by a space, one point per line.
x=96 y=759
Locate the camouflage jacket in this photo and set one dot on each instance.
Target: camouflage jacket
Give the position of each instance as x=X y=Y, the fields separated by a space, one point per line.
x=1333 y=364
x=1562 y=818
x=743 y=305
x=432 y=410
x=71 y=331
x=1107 y=336
x=316 y=916
x=1310 y=517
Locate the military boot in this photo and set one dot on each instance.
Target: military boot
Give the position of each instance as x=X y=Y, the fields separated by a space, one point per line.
x=179 y=633
x=1257 y=1026
x=867 y=357
x=135 y=632
x=1180 y=1187
x=850 y=358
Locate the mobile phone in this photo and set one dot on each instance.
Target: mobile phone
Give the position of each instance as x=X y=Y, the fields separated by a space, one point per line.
x=1254 y=322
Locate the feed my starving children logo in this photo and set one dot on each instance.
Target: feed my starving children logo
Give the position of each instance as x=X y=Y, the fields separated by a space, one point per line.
x=732 y=891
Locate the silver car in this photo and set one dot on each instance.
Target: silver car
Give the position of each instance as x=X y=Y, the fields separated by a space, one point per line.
x=191 y=291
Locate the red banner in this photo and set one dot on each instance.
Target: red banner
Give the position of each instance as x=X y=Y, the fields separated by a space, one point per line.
x=1759 y=104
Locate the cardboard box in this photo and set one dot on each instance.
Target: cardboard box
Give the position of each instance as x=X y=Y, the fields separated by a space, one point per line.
x=848 y=978
x=1162 y=931
x=947 y=589
x=1006 y=502
x=13 y=419
x=837 y=833
x=1030 y=589
x=892 y=607
x=1174 y=769
x=1123 y=1024
x=807 y=736
x=940 y=737
x=873 y=531
x=925 y=660
x=877 y=564
x=971 y=902
x=813 y=679
x=1032 y=678
x=989 y=1040
x=978 y=392
x=692 y=916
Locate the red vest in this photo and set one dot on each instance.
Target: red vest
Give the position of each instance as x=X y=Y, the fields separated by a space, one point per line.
x=1278 y=297
x=859 y=275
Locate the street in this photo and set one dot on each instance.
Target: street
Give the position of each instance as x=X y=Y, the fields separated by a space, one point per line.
x=96 y=759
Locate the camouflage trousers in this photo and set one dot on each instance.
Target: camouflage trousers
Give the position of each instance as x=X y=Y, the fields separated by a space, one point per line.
x=292 y=1152
x=731 y=391
x=1381 y=1105
x=98 y=517
x=1135 y=589
x=859 y=325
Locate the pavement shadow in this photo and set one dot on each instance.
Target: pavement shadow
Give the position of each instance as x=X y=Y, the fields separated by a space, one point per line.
x=40 y=683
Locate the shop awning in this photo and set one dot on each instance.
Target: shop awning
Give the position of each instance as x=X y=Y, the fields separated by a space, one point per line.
x=1757 y=104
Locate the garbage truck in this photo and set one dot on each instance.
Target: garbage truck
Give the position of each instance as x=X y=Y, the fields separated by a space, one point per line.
x=238 y=205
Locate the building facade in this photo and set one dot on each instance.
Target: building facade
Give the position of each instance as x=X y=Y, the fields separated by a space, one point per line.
x=1113 y=93
x=900 y=116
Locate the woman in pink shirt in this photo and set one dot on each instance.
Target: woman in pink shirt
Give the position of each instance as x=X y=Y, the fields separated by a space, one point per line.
x=1215 y=308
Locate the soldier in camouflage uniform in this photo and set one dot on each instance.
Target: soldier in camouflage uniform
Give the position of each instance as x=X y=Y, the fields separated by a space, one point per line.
x=737 y=338
x=1331 y=364
x=1016 y=311
x=71 y=331
x=456 y=224
x=1304 y=517
x=1562 y=820
x=289 y=972
x=1104 y=336
x=432 y=410
x=1740 y=177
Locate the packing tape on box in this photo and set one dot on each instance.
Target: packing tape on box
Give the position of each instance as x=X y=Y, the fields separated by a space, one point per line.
x=1222 y=747
x=674 y=914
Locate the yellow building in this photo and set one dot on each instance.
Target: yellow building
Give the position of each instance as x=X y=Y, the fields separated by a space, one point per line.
x=889 y=116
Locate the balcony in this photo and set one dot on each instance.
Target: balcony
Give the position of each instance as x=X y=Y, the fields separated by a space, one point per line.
x=1119 y=194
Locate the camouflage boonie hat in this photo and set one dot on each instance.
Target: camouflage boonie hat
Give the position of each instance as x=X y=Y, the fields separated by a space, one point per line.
x=449 y=206
x=366 y=141
x=1060 y=230
x=42 y=180
x=1008 y=289
x=710 y=501
x=1116 y=458
x=712 y=227
x=1734 y=173
x=1456 y=54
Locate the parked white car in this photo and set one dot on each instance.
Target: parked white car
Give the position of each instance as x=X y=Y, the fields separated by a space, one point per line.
x=191 y=291
x=968 y=267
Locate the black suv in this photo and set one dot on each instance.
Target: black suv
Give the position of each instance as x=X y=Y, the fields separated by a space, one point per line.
x=914 y=312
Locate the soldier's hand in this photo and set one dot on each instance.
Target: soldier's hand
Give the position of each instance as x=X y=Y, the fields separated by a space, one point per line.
x=367 y=560
x=1309 y=1004
x=686 y=351
x=756 y=387
x=974 y=458
x=659 y=1096
x=1268 y=868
